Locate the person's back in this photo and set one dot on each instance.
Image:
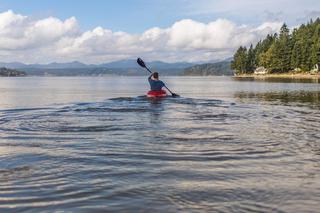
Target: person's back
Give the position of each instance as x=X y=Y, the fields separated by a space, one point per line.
x=155 y=83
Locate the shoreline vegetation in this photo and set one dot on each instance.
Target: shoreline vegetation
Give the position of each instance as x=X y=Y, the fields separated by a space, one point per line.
x=290 y=54
x=280 y=75
x=5 y=72
x=214 y=69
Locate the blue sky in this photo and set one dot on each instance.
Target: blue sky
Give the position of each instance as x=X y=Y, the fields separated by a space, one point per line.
x=128 y=15
x=169 y=30
x=138 y=15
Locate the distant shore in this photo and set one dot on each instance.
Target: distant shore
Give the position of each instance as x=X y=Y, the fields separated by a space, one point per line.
x=282 y=75
x=5 y=72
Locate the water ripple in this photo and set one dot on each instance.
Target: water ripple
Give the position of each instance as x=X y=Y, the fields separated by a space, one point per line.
x=175 y=154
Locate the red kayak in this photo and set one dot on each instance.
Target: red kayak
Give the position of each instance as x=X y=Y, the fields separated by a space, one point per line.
x=156 y=93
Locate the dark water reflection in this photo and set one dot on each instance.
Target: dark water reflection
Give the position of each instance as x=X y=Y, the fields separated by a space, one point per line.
x=251 y=150
x=135 y=154
x=279 y=79
x=306 y=98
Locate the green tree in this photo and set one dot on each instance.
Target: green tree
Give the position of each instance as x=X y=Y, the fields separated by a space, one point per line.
x=265 y=59
x=273 y=57
x=239 y=62
x=296 y=58
x=282 y=52
x=315 y=52
x=250 y=62
x=262 y=47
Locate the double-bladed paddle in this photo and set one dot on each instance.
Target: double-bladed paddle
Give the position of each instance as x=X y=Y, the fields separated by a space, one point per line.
x=142 y=64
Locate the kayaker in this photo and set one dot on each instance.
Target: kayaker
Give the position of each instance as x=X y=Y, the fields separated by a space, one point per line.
x=156 y=85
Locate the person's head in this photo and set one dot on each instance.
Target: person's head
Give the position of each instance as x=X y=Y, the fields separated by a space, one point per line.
x=155 y=75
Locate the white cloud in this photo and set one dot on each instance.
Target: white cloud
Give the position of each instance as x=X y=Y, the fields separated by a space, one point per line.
x=52 y=39
x=19 y=32
x=251 y=11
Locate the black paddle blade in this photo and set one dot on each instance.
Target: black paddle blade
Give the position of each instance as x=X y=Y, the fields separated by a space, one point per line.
x=141 y=63
x=175 y=95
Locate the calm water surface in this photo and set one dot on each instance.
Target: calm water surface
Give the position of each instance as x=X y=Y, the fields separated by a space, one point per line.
x=89 y=144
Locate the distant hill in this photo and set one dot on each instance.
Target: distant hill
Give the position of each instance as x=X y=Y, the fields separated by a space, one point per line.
x=5 y=72
x=54 y=65
x=121 y=64
x=132 y=63
x=97 y=71
x=122 y=67
x=219 y=69
x=75 y=68
x=163 y=65
x=13 y=65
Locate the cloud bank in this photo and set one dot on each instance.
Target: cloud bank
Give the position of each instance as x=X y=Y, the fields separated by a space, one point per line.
x=25 y=39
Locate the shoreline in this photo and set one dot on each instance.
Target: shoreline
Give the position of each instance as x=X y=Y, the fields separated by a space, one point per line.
x=281 y=75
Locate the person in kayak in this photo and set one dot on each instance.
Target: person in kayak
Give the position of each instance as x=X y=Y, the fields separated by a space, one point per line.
x=156 y=85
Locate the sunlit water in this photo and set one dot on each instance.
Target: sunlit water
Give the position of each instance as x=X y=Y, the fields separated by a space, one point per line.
x=96 y=144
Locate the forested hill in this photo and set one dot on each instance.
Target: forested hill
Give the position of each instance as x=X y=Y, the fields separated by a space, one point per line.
x=75 y=68
x=219 y=68
x=4 y=72
x=298 y=50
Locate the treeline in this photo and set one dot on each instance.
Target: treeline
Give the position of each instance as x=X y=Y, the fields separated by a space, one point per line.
x=4 y=72
x=96 y=71
x=218 y=69
x=298 y=51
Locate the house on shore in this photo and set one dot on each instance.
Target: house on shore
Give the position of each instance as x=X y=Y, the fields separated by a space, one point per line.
x=261 y=71
x=315 y=69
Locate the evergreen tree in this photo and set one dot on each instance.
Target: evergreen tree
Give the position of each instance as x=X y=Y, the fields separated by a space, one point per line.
x=250 y=62
x=273 y=58
x=296 y=58
x=287 y=45
x=263 y=47
x=239 y=62
x=283 y=52
x=266 y=58
x=315 y=53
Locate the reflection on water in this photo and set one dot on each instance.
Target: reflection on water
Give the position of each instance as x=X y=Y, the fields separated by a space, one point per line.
x=224 y=146
x=173 y=154
x=279 y=79
x=307 y=98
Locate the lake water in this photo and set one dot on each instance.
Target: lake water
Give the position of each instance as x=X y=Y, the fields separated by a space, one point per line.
x=87 y=144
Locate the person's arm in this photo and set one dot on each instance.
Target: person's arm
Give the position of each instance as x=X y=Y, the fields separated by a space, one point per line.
x=149 y=79
x=163 y=85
